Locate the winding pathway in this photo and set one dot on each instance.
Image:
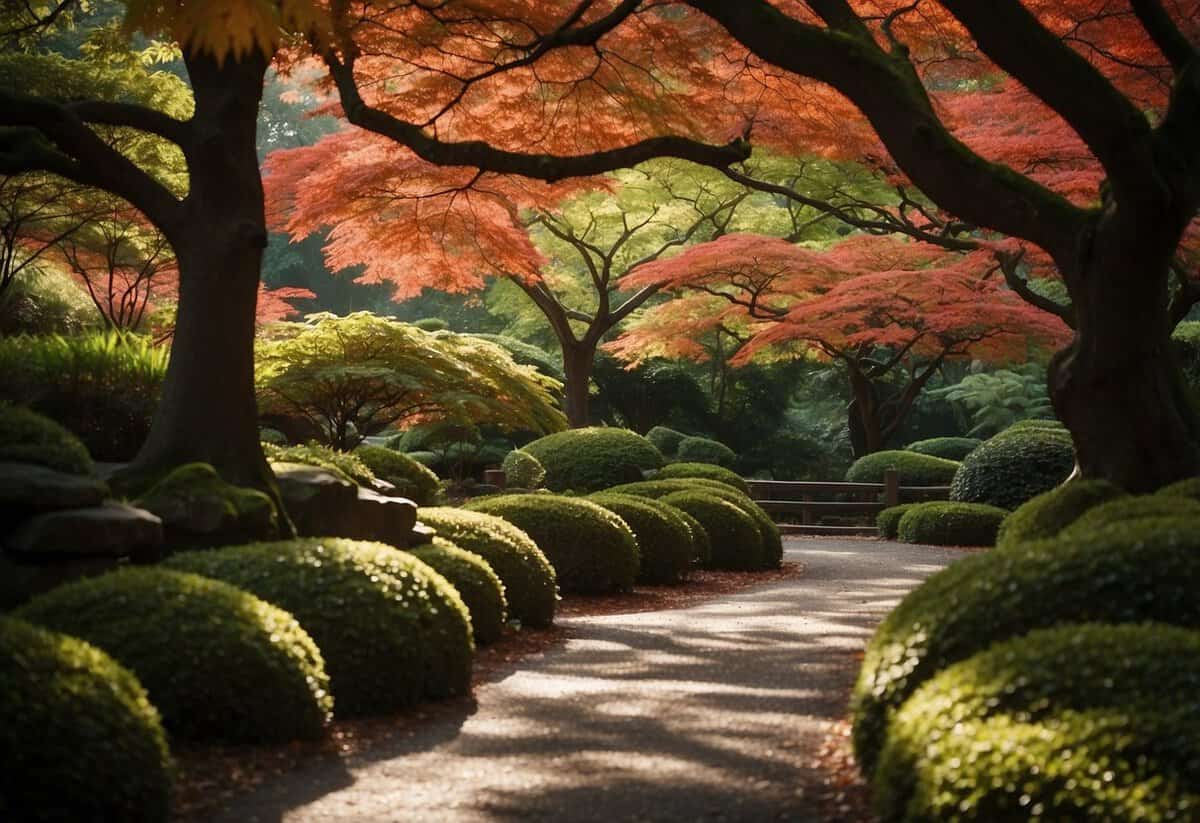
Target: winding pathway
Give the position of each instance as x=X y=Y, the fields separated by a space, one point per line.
x=710 y=713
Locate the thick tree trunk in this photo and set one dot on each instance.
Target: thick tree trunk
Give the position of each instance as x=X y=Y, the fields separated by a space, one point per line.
x=866 y=430
x=578 y=361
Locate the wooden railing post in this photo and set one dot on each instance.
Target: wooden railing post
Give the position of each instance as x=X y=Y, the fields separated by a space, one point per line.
x=891 y=487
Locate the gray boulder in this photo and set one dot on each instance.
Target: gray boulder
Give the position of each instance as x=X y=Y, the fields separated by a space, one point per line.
x=26 y=488
x=109 y=530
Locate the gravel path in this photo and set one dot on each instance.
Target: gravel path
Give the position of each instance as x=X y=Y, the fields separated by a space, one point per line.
x=711 y=713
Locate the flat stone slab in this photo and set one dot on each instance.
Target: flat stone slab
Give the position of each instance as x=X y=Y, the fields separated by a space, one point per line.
x=26 y=488
x=109 y=530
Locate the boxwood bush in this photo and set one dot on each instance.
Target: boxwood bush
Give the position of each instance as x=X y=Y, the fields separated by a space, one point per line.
x=480 y=588
x=665 y=440
x=949 y=448
x=591 y=549
x=888 y=520
x=79 y=738
x=1184 y=488
x=706 y=470
x=1078 y=722
x=951 y=524
x=28 y=437
x=704 y=450
x=588 y=460
x=1016 y=465
x=701 y=544
x=1146 y=571
x=522 y=470
x=413 y=480
x=392 y=630
x=218 y=662
x=665 y=547
x=736 y=542
x=1050 y=512
x=1126 y=510
x=914 y=469
x=528 y=577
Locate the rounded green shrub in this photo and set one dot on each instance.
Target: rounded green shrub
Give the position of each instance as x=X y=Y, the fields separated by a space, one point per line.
x=888 y=520
x=591 y=549
x=79 y=738
x=704 y=450
x=1184 y=488
x=1015 y=466
x=477 y=584
x=528 y=577
x=707 y=471
x=914 y=469
x=412 y=479
x=522 y=470
x=392 y=630
x=1050 y=512
x=28 y=437
x=427 y=459
x=665 y=440
x=339 y=463
x=665 y=546
x=1146 y=571
x=951 y=524
x=736 y=543
x=1128 y=510
x=1077 y=722
x=588 y=460
x=948 y=448
x=431 y=324
x=218 y=662
x=701 y=545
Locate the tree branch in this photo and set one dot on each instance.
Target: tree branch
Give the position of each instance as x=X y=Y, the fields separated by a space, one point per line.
x=1162 y=30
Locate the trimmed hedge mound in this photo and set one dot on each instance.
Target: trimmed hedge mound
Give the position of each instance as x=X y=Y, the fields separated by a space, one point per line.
x=707 y=471
x=1049 y=513
x=480 y=588
x=664 y=539
x=1125 y=510
x=79 y=739
x=704 y=450
x=888 y=520
x=951 y=524
x=1079 y=722
x=392 y=630
x=665 y=440
x=588 y=460
x=948 y=448
x=413 y=480
x=219 y=663
x=1015 y=466
x=1150 y=571
x=701 y=543
x=28 y=437
x=591 y=549
x=736 y=543
x=1184 y=488
x=522 y=470
x=914 y=469
x=528 y=577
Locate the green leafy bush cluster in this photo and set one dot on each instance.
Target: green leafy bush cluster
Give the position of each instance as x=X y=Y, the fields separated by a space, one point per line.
x=592 y=550
x=665 y=440
x=79 y=738
x=888 y=520
x=522 y=470
x=28 y=437
x=1077 y=722
x=392 y=630
x=701 y=544
x=734 y=538
x=218 y=662
x=1149 y=570
x=704 y=450
x=480 y=588
x=665 y=547
x=411 y=479
x=1049 y=513
x=591 y=459
x=951 y=524
x=914 y=469
x=528 y=577
x=708 y=471
x=1183 y=488
x=1126 y=511
x=343 y=464
x=948 y=448
x=1023 y=461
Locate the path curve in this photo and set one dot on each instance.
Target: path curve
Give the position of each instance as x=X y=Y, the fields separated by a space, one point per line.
x=710 y=713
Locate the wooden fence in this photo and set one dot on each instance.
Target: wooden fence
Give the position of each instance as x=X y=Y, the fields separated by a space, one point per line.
x=815 y=503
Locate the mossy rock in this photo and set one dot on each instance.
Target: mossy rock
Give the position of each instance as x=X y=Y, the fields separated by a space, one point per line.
x=913 y=469
x=1149 y=570
x=949 y=448
x=219 y=663
x=1127 y=510
x=707 y=471
x=476 y=582
x=704 y=450
x=522 y=470
x=888 y=520
x=591 y=459
x=736 y=543
x=666 y=440
x=392 y=630
x=412 y=479
x=941 y=523
x=592 y=550
x=1050 y=512
x=79 y=738
x=1015 y=466
x=198 y=508
x=1075 y=722
x=664 y=539
x=528 y=577
x=28 y=437
x=342 y=464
